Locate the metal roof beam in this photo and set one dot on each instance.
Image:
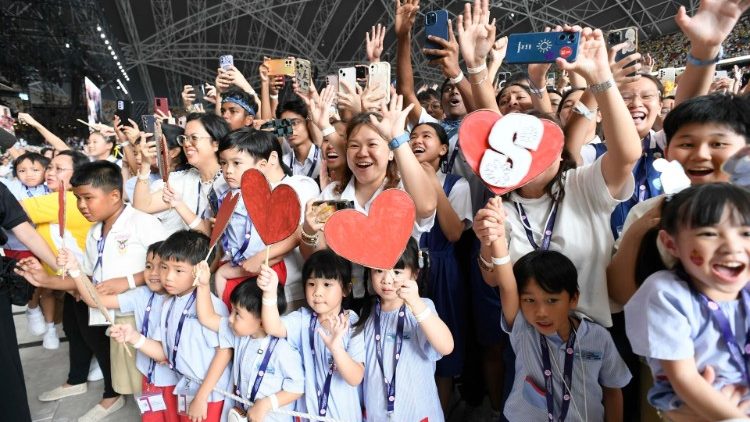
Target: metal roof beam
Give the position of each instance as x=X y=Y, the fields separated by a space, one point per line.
x=126 y=14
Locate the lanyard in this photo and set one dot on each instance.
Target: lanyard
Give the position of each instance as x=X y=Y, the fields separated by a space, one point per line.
x=323 y=394
x=739 y=355
x=261 y=369
x=238 y=256
x=567 y=375
x=314 y=163
x=390 y=386
x=549 y=226
x=178 y=333
x=144 y=332
x=642 y=170
x=99 y=256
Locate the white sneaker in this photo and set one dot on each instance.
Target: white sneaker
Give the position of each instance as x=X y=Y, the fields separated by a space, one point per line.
x=99 y=413
x=50 y=341
x=62 y=392
x=36 y=324
x=95 y=373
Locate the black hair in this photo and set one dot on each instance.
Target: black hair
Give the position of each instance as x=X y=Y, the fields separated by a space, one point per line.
x=171 y=132
x=441 y=135
x=551 y=270
x=427 y=94
x=154 y=248
x=77 y=157
x=259 y=144
x=507 y=86
x=326 y=264
x=551 y=90
x=185 y=246
x=100 y=174
x=723 y=109
x=704 y=205
x=34 y=158
x=293 y=104
x=518 y=77
x=656 y=81
x=244 y=96
x=46 y=150
x=565 y=96
x=216 y=126
x=248 y=296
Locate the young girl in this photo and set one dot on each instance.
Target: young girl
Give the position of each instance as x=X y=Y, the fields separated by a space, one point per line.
x=584 y=368
x=145 y=302
x=403 y=339
x=267 y=371
x=331 y=354
x=696 y=316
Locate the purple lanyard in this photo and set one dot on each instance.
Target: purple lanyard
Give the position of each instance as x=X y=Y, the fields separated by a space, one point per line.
x=567 y=376
x=739 y=355
x=322 y=395
x=314 y=163
x=390 y=386
x=178 y=333
x=261 y=369
x=144 y=332
x=99 y=256
x=547 y=238
x=237 y=257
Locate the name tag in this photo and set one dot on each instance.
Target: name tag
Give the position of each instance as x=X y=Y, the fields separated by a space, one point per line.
x=183 y=403
x=151 y=402
x=96 y=318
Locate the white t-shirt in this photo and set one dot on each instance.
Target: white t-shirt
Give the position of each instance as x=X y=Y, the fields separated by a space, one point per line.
x=582 y=232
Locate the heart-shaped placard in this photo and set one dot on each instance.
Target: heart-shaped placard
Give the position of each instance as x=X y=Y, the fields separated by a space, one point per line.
x=507 y=152
x=275 y=214
x=375 y=240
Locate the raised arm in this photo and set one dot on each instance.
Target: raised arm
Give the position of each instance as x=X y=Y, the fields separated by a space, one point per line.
x=48 y=136
x=207 y=316
x=268 y=281
x=351 y=370
x=406 y=13
x=437 y=333
x=447 y=62
x=477 y=35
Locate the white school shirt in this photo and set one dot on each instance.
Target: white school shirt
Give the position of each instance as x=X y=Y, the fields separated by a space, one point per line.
x=136 y=301
x=125 y=246
x=421 y=225
x=582 y=232
x=588 y=151
x=283 y=373
x=596 y=364
x=665 y=320
x=197 y=345
x=311 y=162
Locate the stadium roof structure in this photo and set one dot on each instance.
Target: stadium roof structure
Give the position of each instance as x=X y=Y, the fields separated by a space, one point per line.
x=163 y=44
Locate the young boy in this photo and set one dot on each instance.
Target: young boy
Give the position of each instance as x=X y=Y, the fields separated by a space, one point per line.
x=192 y=351
x=238 y=108
x=244 y=250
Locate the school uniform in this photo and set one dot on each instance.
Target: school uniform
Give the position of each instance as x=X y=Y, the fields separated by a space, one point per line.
x=415 y=396
x=666 y=320
x=309 y=167
x=120 y=253
x=581 y=231
x=596 y=364
x=594 y=149
x=343 y=399
x=13 y=248
x=190 y=353
x=638 y=211
x=283 y=372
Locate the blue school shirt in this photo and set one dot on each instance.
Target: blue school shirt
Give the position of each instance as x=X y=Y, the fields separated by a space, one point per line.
x=241 y=239
x=135 y=301
x=416 y=392
x=596 y=364
x=196 y=348
x=665 y=320
x=21 y=192
x=284 y=370
x=344 y=400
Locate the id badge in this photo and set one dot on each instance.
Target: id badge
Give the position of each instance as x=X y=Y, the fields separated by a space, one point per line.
x=151 y=402
x=183 y=403
x=96 y=317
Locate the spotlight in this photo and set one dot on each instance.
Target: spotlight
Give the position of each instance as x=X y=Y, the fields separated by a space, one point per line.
x=102 y=35
x=109 y=47
x=67 y=45
x=119 y=64
x=114 y=56
x=98 y=28
x=106 y=42
x=112 y=53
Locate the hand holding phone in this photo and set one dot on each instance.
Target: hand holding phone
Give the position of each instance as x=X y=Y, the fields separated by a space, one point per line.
x=226 y=61
x=542 y=47
x=435 y=24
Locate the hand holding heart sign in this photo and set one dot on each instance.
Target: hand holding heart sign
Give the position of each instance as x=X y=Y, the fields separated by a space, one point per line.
x=507 y=152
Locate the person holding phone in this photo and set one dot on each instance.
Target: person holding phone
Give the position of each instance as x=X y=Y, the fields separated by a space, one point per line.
x=304 y=157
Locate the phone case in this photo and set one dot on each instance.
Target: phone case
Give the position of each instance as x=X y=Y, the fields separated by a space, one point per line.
x=148 y=121
x=281 y=67
x=303 y=73
x=225 y=62
x=618 y=36
x=380 y=75
x=542 y=47
x=436 y=24
x=667 y=74
x=161 y=104
x=348 y=75
x=332 y=80
x=124 y=111
x=200 y=93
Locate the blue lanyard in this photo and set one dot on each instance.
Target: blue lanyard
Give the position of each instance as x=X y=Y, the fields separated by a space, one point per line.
x=261 y=370
x=326 y=391
x=549 y=227
x=314 y=163
x=739 y=355
x=239 y=255
x=144 y=332
x=178 y=333
x=390 y=386
x=567 y=376
x=100 y=256
x=642 y=169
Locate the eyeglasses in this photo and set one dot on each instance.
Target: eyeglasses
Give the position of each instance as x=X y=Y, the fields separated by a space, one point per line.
x=193 y=139
x=645 y=96
x=57 y=169
x=296 y=122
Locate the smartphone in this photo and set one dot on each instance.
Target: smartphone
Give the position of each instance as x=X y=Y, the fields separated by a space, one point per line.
x=281 y=128
x=303 y=74
x=161 y=104
x=325 y=209
x=618 y=36
x=542 y=47
x=667 y=74
x=332 y=80
x=720 y=74
x=348 y=75
x=200 y=93
x=380 y=76
x=124 y=111
x=148 y=123
x=281 y=67
x=435 y=24
x=363 y=72
x=551 y=79
x=226 y=61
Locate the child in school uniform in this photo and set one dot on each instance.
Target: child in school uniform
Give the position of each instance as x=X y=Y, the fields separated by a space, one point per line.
x=321 y=332
x=403 y=337
x=156 y=402
x=188 y=348
x=266 y=371
x=567 y=367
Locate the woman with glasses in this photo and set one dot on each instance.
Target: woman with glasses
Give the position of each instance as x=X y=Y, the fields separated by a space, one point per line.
x=189 y=192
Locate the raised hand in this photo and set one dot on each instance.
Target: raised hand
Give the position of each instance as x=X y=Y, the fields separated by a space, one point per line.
x=188 y=96
x=406 y=13
x=374 y=43
x=476 y=33
x=447 y=54
x=592 y=61
x=66 y=260
x=648 y=63
x=489 y=222
x=311 y=224
x=349 y=99
x=713 y=22
x=627 y=69
x=372 y=98
x=201 y=274
x=26 y=119
x=170 y=196
x=334 y=338
x=393 y=117
x=268 y=280
x=406 y=289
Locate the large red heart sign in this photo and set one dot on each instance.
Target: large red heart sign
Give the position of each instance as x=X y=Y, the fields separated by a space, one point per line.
x=507 y=152
x=375 y=240
x=275 y=214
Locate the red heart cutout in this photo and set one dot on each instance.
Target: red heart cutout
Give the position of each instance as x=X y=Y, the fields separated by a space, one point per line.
x=473 y=137
x=375 y=240
x=275 y=214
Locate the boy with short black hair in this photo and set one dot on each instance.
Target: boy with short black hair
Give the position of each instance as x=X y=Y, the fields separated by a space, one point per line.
x=238 y=108
x=303 y=156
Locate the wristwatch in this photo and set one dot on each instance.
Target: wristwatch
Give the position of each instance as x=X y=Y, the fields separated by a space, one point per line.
x=398 y=141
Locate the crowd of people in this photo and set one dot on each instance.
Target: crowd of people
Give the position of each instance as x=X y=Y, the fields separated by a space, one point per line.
x=553 y=297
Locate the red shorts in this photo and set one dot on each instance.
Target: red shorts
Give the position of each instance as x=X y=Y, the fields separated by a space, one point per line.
x=212 y=415
x=17 y=255
x=169 y=415
x=232 y=283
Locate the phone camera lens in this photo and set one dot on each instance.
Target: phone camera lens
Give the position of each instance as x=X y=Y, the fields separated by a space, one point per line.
x=571 y=37
x=562 y=37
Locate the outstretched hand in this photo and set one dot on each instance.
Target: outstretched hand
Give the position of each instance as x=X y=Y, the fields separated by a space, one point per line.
x=393 y=119
x=489 y=222
x=592 y=61
x=339 y=326
x=476 y=34
x=374 y=43
x=713 y=22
